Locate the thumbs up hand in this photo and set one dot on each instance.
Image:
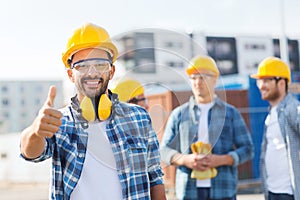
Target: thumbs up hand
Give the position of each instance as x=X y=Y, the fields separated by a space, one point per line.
x=48 y=120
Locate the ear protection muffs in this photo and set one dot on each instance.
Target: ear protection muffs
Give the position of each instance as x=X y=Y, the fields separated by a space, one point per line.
x=90 y=110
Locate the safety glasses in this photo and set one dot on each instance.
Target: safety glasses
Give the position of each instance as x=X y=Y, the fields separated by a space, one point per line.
x=136 y=100
x=100 y=65
x=267 y=81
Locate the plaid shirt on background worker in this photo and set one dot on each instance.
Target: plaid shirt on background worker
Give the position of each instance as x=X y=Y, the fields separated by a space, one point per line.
x=289 y=122
x=227 y=133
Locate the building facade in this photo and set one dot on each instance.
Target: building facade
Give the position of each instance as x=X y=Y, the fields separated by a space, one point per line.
x=161 y=56
x=20 y=102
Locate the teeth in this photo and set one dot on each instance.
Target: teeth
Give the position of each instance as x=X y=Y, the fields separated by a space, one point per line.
x=92 y=82
x=264 y=92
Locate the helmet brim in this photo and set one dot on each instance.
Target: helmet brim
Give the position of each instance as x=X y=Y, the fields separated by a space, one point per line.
x=77 y=48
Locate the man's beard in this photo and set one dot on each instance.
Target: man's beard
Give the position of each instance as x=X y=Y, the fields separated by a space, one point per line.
x=93 y=93
x=272 y=96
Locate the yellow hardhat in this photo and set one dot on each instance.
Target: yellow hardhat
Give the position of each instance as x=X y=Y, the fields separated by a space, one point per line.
x=89 y=36
x=127 y=89
x=272 y=67
x=199 y=63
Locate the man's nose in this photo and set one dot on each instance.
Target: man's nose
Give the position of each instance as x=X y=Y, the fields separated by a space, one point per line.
x=92 y=69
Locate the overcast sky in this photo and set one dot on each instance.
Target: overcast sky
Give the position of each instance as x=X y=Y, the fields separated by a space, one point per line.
x=34 y=32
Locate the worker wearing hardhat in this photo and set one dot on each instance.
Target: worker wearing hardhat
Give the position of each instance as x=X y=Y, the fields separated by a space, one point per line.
x=216 y=128
x=101 y=148
x=131 y=91
x=202 y=64
x=203 y=72
x=281 y=138
x=272 y=68
x=89 y=36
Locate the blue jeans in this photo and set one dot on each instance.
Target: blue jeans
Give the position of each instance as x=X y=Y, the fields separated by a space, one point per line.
x=203 y=194
x=280 y=196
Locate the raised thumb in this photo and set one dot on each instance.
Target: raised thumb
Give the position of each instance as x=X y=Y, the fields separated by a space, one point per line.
x=51 y=96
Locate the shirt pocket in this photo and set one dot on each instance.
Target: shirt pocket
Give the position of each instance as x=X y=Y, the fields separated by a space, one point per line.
x=137 y=157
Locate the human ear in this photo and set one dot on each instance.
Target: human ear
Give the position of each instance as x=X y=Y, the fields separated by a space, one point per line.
x=112 y=72
x=71 y=75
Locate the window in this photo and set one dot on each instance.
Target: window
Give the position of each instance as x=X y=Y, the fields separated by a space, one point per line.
x=223 y=51
x=23 y=115
x=175 y=64
x=4 y=89
x=293 y=53
x=255 y=47
x=5 y=102
x=293 y=49
x=144 y=61
x=171 y=44
x=276 y=48
x=6 y=115
x=22 y=101
x=21 y=89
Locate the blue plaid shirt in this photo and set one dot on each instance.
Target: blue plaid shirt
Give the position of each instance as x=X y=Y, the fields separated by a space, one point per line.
x=289 y=122
x=227 y=133
x=134 y=144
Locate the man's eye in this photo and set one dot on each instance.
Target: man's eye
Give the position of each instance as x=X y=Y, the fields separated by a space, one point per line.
x=81 y=66
x=100 y=65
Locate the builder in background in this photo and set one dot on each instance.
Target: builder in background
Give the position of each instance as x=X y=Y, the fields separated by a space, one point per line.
x=207 y=119
x=280 y=152
x=130 y=91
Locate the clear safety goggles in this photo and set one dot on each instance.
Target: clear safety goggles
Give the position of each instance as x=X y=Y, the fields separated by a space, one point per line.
x=267 y=80
x=100 y=65
x=136 y=100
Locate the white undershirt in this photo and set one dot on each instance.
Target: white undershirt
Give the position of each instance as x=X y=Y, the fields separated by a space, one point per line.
x=99 y=179
x=203 y=134
x=278 y=176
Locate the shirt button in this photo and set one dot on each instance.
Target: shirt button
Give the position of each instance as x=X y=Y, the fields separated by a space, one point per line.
x=127 y=170
x=80 y=155
x=74 y=179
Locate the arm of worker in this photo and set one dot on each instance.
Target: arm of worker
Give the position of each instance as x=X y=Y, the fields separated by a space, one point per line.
x=155 y=173
x=170 y=143
x=214 y=160
x=187 y=160
x=158 y=192
x=244 y=150
x=45 y=125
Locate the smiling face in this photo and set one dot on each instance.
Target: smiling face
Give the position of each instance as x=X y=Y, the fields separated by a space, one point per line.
x=271 y=90
x=94 y=81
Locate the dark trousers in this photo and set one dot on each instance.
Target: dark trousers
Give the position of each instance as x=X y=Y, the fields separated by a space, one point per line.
x=280 y=196
x=203 y=194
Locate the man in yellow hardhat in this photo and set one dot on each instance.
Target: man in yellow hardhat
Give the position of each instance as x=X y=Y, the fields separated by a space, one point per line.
x=281 y=140
x=212 y=127
x=130 y=91
x=100 y=148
